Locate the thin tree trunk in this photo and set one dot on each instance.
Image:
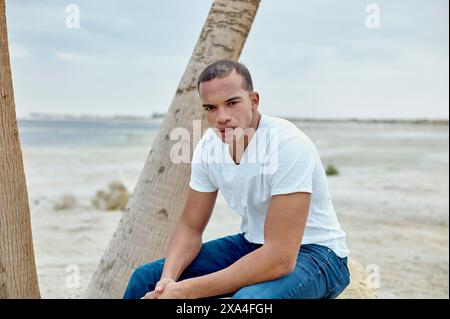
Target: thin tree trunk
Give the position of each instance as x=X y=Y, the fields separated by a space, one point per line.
x=18 y=278
x=159 y=195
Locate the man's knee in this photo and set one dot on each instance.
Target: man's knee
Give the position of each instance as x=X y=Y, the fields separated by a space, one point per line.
x=139 y=275
x=143 y=279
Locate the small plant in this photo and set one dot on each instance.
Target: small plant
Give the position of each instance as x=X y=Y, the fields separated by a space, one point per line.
x=331 y=170
x=115 y=198
x=68 y=201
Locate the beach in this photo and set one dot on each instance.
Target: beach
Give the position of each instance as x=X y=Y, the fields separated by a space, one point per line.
x=391 y=197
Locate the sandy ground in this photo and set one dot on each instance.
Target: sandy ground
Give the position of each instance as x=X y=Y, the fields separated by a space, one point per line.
x=391 y=196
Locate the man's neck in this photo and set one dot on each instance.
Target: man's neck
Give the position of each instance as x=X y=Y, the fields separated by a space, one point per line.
x=237 y=150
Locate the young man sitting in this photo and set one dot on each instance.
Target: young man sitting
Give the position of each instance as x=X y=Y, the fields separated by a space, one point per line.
x=290 y=245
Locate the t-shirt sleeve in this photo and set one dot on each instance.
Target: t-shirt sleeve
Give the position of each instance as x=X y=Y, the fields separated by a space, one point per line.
x=296 y=161
x=200 y=180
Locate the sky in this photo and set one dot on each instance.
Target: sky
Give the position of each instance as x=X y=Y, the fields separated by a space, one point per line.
x=308 y=58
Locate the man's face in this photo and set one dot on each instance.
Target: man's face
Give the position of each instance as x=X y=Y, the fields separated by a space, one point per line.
x=229 y=106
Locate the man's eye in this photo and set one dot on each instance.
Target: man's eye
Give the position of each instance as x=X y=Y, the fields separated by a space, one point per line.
x=208 y=108
x=232 y=103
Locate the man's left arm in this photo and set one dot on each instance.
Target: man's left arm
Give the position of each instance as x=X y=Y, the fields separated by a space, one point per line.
x=283 y=232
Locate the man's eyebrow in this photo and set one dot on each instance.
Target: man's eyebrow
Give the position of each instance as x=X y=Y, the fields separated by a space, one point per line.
x=233 y=98
x=227 y=101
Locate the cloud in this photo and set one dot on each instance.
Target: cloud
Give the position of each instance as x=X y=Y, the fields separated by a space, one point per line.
x=308 y=57
x=70 y=56
x=17 y=51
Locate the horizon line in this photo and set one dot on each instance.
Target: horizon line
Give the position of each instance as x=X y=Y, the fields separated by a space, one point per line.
x=161 y=115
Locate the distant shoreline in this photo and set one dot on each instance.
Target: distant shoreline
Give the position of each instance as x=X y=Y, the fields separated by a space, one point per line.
x=160 y=117
x=442 y=122
x=89 y=118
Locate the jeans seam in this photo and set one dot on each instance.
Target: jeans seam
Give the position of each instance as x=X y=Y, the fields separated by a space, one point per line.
x=338 y=282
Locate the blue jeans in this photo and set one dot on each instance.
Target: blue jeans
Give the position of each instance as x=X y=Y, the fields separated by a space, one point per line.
x=319 y=272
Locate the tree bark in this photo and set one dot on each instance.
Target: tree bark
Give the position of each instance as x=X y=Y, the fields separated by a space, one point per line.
x=18 y=277
x=159 y=195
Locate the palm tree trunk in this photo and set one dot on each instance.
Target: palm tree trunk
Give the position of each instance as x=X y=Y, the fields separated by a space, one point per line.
x=18 y=278
x=161 y=190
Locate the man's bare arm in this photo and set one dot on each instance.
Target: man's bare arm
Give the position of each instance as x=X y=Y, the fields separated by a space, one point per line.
x=186 y=239
x=283 y=233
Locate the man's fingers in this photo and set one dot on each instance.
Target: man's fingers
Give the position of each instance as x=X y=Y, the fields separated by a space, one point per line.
x=155 y=294
x=150 y=295
x=162 y=283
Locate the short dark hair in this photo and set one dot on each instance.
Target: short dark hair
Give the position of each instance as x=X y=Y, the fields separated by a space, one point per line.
x=223 y=68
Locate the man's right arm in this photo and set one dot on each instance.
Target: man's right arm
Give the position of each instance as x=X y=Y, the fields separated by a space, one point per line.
x=186 y=239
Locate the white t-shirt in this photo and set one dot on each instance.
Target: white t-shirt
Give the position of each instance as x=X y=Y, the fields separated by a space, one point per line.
x=279 y=159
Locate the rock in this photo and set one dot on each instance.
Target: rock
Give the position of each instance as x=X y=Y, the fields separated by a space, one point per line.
x=358 y=287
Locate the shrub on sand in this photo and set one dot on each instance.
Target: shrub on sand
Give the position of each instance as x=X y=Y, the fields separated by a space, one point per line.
x=115 y=198
x=331 y=170
x=68 y=201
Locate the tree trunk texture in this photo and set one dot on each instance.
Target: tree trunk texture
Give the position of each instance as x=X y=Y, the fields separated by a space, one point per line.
x=18 y=277
x=159 y=195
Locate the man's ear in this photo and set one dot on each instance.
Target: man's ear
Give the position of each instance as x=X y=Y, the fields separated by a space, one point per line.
x=254 y=97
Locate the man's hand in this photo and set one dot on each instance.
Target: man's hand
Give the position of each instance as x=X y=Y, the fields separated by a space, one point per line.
x=171 y=290
x=162 y=283
x=159 y=287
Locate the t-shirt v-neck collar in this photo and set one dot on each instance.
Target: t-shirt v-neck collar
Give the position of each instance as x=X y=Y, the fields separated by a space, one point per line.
x=250 y=146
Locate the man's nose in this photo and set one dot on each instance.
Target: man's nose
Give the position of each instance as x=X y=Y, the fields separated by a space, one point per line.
x=222 y=115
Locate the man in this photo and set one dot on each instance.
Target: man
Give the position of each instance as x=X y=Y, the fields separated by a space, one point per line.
x=290 y=245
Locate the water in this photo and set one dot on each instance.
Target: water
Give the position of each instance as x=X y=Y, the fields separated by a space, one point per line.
x=81 y=157
x=78 y=133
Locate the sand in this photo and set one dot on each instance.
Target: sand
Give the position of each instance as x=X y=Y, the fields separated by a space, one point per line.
x=391 y=197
